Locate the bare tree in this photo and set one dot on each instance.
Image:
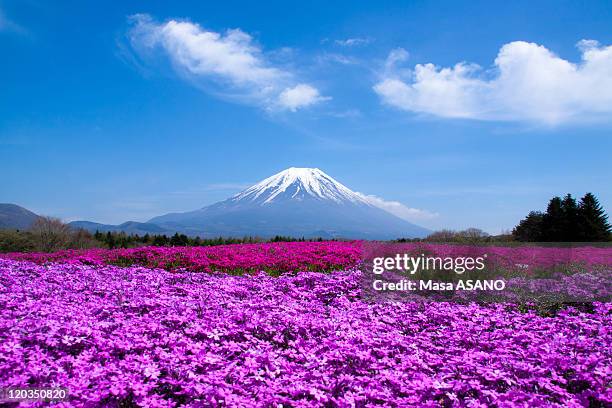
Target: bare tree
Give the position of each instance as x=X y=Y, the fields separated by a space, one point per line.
x=467 y=235
x=81 y=239
x=444 y=235
x=50 y=234
x=473 y=234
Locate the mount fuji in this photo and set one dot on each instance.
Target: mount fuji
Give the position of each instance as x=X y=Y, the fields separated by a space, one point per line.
x=297 y=202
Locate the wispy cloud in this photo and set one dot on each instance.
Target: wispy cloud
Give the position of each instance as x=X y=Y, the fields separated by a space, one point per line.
x=398 y=209
x=8 y=25
x=332 y=57
x=3 y=21
x=345 y=114
x=395 y=57
x=231 y=61
x=353 y=42
x=528 y=83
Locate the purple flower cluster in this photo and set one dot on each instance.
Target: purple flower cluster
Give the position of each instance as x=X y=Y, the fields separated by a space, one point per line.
x=147 y=337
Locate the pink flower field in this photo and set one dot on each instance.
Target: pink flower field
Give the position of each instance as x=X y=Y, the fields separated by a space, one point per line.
x=287 y=324
x=236 y=259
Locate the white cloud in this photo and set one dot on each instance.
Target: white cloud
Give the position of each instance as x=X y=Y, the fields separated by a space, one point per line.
x=300 y=96
x=398 y=209
x=231 y=61
x=528 y=83
x=353 y=42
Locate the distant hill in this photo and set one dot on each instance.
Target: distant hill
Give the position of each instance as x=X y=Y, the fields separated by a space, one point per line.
x=297 y=202
x=15 y=217
x=129 y=227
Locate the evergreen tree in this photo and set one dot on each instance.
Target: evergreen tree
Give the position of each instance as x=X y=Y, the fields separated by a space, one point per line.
x=160 y=240
x=123 y=240
x=530 y=228
x=570 y=225
x=593 y=220
x=552 y=222
x=110 y=240
x=175 y=240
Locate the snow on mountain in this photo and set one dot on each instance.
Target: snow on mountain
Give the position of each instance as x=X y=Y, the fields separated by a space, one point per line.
x=297 y=202
x=299 y=183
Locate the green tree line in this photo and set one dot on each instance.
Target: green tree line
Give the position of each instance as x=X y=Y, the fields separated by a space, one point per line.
x=565 y=220
x=123 y=240
x=49 y=234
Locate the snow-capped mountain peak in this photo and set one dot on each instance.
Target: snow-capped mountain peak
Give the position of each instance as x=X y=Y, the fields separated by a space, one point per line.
x=297 y=202
x=299 y=183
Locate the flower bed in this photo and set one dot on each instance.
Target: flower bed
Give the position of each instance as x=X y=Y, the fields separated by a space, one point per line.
x=281 y=257
x=146 y=337
x=274 y=258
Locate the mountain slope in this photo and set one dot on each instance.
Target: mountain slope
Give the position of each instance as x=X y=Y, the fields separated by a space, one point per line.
x=15 y=217
x=129 y=227
x=295 y=202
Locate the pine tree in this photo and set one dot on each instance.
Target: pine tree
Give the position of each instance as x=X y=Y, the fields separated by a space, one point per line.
x=570 y=224
x=530 y=228
x=552 y=221
x=123 y=240
x=175 y=240
x=593 y=220
x=160 y=240
x=110 y=240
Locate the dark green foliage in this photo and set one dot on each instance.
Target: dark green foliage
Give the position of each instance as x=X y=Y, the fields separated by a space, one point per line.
x=566 y=221
x=46 y=235
x=109 y=240
x=23 y=241
x=570 y=228
x=15 y=241
x=530 y=228
x=594 y=225
x=179 y=240
x=160 y=240
x=121 y=240
x=552 y=222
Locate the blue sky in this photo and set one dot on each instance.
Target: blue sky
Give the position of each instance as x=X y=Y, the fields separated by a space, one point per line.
x=453 y=115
